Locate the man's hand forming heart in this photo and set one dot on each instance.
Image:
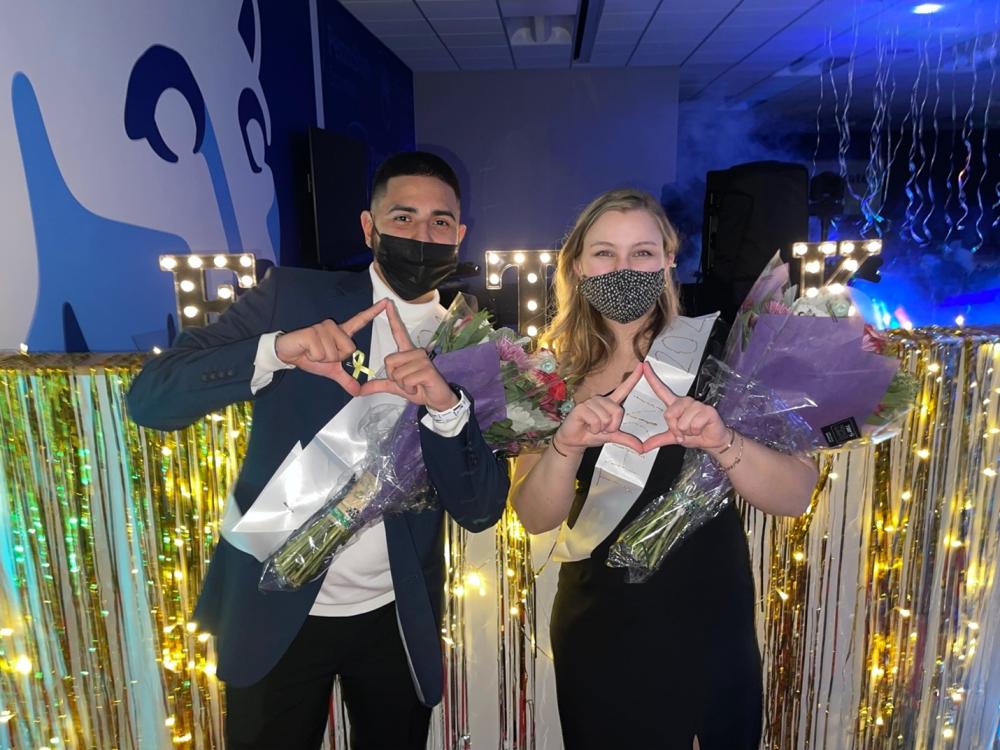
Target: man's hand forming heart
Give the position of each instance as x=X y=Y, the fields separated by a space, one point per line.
x=321 y=349
x=410 y=372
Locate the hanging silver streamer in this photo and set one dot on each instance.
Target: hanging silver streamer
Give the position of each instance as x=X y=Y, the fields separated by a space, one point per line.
x=951 y=154
x=911 y=161
x=918 y=155
x=819 y=111
x=967 y=128
x=937 y=132
x=516 y=624
x=985 y=143
x=926 y=71
x=891 y=150
x=836 y=106
x=908 y=119
x=875 y=170
x=996 y=189
x=875 y=607
x=843 y=126
x=459 y=584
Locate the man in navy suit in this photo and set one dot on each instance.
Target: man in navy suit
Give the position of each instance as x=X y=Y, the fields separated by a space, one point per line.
x=374 y=618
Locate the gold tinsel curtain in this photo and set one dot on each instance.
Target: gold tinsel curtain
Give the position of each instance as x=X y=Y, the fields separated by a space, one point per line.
x=878 y=610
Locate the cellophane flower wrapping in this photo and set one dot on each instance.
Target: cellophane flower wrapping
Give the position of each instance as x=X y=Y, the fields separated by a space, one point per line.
x=519 y=399
x=800 y=376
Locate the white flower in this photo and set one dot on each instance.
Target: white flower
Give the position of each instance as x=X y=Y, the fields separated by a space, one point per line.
x=826 y=304
x=520 y=418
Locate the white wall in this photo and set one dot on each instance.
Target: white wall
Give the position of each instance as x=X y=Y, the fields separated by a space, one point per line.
x=534 y=147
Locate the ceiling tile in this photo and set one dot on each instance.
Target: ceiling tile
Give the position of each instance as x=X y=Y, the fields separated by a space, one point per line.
x=415 y=42
x=477 y=41
x=516 y=8
x=388 y=29
x=646 y=57
x=623 y=21
x=610 y=55
x=481 y=53
x=739 y=47
x=445 y=9
x=617 y=37
x=468 y=25
x=632 y=6
x=426 y=62
x=382 y=10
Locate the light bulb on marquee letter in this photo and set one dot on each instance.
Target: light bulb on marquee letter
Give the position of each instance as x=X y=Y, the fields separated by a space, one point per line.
x=194 y=308
x=532 y=288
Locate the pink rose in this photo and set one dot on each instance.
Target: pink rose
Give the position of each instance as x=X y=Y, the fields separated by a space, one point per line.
x=511 y=352
x=873 y=340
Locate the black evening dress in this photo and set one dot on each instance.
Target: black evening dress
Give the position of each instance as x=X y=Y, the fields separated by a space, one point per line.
x=652 y=665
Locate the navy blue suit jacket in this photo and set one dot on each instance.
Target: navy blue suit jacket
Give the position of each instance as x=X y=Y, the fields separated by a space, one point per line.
x=211 y=367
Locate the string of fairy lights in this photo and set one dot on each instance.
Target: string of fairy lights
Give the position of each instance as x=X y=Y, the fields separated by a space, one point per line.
x=874 y=606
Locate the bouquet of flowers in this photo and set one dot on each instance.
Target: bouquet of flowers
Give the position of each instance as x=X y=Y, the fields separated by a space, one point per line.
x=520 y=402
x=801 y=374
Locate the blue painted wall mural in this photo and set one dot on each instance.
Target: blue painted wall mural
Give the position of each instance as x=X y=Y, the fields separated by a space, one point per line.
x=130 y=142
x=131 y=131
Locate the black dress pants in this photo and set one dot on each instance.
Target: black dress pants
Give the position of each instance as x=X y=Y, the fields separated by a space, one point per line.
x=288 y=708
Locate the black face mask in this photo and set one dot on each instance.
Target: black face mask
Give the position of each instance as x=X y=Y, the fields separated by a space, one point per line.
x=411 y=267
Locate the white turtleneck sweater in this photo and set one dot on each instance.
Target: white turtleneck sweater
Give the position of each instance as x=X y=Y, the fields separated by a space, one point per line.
x=359 y=579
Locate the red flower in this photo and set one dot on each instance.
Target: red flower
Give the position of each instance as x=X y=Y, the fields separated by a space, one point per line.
x=557 y=390
x=548 y=405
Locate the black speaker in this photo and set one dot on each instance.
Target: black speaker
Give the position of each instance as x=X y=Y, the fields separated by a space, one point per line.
x=826 y=199
x=338 y=185
x=751 y=211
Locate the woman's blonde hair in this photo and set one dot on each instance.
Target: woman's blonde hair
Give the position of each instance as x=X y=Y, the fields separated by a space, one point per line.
x=578 y=334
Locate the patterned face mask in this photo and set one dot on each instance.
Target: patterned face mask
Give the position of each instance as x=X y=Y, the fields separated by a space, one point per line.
x=624 y=295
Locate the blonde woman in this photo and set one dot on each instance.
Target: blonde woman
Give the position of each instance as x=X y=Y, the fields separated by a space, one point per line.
x=657 y=664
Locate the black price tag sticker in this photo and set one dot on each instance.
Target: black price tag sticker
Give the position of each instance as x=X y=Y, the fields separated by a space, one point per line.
x=841 y=432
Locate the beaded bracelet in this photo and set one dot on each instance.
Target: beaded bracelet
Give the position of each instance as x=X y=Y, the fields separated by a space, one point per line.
x=732 y=439
x=739 y=457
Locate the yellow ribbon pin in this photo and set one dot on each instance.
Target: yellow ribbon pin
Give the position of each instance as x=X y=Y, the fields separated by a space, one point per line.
x=358 y=363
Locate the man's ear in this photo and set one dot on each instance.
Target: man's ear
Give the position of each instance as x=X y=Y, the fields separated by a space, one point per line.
x=367 y=224
x=461 y=233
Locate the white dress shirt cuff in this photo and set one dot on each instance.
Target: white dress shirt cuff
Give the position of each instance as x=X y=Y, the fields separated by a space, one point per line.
x=450 y=422
x=266 y=363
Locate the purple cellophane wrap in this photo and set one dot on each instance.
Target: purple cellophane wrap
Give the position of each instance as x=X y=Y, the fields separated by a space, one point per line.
x=821 y=357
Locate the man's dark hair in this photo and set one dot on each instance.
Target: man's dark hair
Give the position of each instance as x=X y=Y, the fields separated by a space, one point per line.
x=413 y=164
